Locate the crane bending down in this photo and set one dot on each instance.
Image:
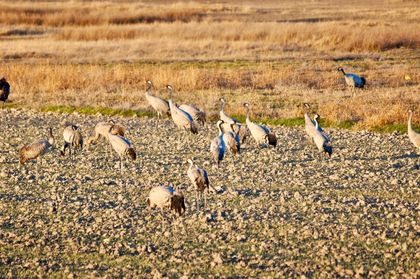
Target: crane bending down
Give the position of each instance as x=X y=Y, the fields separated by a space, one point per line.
x=197 y=114
x=260 y=133
x=72 y=139
x=36 y=149
x=4 y=90
x=166 y=197
x=102 y=129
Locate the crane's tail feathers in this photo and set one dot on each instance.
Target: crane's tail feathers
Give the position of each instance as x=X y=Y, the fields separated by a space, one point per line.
x=194 y=128
x=363 y=81
x=131 y=152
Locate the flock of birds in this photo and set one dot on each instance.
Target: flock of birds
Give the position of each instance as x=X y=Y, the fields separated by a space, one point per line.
x=231 y=134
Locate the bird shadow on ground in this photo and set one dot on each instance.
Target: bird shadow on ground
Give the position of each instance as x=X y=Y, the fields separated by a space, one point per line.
x=383 y=158
x=248 y=192
x=406 y=156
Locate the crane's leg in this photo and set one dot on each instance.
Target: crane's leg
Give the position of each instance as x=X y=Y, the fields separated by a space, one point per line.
x=204 y=198
x=121 y=164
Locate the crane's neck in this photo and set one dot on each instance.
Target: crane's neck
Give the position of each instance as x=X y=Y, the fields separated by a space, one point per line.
x=170 y=103
x=219 y=126
x=149 y=88
x=232 y=127
x=410 y=116
x=316 y=121
x=342 y=70
x=50 y=137
x=247 y=113
x=222 y=106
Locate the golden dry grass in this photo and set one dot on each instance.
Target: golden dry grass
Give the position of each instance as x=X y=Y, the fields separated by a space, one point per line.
x=276 y=55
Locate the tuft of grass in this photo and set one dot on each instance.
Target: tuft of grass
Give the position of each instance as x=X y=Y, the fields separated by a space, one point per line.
x=389 y=128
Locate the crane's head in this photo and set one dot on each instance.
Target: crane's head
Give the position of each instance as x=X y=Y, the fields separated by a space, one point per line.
x=340 y=69
x=222 y=100
x=190 y=161
x=149 y=82
x=219 y=124
x=246 y=105
x=169 y=87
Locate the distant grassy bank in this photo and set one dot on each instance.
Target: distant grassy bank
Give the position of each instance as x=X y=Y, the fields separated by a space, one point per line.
x=286 y=122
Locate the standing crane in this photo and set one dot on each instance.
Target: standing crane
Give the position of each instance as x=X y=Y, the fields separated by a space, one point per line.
x=412 y=134
x=122 y=146
x=200 y=181
x=237 y=128
x=353 y=81
x=182 y=119
x=160 y=105
x=321 y=139
x=218 y=145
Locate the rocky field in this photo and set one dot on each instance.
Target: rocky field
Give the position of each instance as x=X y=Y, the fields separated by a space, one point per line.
x=279 y=212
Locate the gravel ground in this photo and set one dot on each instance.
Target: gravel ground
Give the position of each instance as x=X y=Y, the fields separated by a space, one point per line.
x=279 y=212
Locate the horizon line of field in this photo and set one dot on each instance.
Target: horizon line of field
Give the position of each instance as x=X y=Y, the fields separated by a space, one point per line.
x=285 y=122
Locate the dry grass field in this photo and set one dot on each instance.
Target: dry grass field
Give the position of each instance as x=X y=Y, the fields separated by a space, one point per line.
x=278 y=212
x=276 y=55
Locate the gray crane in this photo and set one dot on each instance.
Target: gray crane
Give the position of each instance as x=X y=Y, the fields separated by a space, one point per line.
x=310 y=125
x=200 y=181
x=261 y=134
x=122 y=146
x=72 y=139
x=232 y=140
x=223 y=116
x=237 y=128
x=197 y=114
x=182 y=119
x=352 y=80
x=321 y=140
x=160 y=105
x=413 y=135
x=4 y=90
x=36 y=149
x=102 y=129
x=166 y=198
x=218 y=145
